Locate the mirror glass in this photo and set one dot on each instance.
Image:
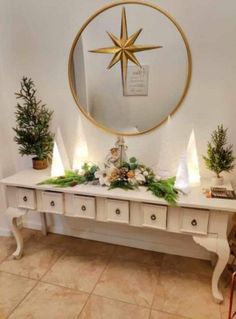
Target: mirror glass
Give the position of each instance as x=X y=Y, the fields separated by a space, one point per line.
x=149 y=70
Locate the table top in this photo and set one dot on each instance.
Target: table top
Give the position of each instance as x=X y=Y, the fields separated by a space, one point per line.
x=195 y=199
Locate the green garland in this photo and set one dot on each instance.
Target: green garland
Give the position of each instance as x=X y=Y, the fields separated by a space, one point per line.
x=164 y=189
x=129 y=176
x=73 y=178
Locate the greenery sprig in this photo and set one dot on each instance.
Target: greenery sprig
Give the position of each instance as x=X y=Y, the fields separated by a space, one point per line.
x=73 y=178
x=129 y=176
x=164 y=189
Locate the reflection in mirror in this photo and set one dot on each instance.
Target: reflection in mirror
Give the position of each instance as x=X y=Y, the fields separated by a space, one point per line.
x=141 y=89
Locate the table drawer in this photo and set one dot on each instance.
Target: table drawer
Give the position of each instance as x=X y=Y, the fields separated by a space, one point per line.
x=26 y=198
x=81 y=206
x=117 y=211
x=52 y=202
x=194 y=221
x=154 y=216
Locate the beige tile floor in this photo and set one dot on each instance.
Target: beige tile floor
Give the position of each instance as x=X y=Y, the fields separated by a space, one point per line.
x=62 y=277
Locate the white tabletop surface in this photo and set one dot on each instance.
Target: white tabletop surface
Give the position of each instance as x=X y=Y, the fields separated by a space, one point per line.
x=195 y=199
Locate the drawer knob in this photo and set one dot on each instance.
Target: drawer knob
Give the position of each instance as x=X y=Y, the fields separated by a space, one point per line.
x=194 y=222
x=83 y=207
x=117 y=211
x=52 y=203
x=25 y=198
x=153 y=217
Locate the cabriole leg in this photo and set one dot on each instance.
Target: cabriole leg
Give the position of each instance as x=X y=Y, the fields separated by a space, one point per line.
x=220 y=246
x=19 y=239
x=223 y=252
x=13 y=214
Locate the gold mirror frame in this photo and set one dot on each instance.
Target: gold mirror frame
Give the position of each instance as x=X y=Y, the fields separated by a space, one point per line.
x=70 y=64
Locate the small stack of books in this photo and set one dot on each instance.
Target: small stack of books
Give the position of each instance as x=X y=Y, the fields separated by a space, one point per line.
x=222 y=192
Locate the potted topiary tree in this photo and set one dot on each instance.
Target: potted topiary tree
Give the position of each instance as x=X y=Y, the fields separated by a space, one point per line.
x=32 y=129
x=220 y=156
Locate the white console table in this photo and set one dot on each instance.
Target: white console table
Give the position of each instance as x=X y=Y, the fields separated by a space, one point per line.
x=206 y=220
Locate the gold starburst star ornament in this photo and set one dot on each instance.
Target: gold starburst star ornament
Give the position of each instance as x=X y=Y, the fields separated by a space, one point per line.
x=124 y=48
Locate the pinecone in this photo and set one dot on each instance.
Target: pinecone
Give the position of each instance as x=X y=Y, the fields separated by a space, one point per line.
x=123 y=173
x=73 y=183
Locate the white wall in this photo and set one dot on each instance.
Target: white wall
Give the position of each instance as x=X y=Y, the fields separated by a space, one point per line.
x=36 y=37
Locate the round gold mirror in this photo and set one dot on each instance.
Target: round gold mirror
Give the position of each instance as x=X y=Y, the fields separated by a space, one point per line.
x=129 y=67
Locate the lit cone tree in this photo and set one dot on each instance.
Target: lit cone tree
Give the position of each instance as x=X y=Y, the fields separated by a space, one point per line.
x=33 y=120
x=220 y=156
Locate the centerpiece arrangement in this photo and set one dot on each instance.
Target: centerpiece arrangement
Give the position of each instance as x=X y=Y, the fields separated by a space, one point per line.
x=119 y=172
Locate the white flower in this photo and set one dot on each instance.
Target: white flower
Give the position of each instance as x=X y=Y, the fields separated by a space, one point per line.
x=145 y=173
x=104 y=175
x=138 y=177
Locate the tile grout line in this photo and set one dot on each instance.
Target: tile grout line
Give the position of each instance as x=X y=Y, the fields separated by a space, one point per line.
x=113 y=299
x=27 y=277
x=90 y=294
x=73 y=289
x=85 y=292
x=53 y=264
x=105 y=268
x=8 y=255
x=18 y=275
x=109 y=259
x=61 y=286
x=37 y=281
x=22 y=300
x=5 y=258
x=77 y=290
x=11 y=254
x=165 y=312
x=25 y=241
x=122 y=301
x=86 y=302
x=61 y=256
x=155 y=289
x=150 y=313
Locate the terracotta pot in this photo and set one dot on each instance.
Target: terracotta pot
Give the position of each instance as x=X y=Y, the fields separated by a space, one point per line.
x=217 y=181
x=40 y=164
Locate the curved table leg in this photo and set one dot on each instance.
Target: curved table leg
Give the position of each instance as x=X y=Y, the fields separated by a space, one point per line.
x=223 y=252
x=13 y=214
x=213 y=259
x=18 y=237
x=221 y=247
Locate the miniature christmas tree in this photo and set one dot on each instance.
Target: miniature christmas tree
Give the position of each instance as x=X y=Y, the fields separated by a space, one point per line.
x=33 y=119
x=219 y=153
